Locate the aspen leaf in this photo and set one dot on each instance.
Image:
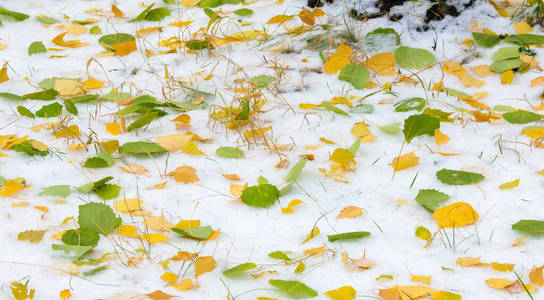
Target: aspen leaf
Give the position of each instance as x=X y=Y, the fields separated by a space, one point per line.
x=10 y=188
x=128 y=230
x=458 y=214
x=33 y=236
x=440 y=138
x=350 y=212
x=405 y=161
x=239 y=269
x=175 y=142
x=154 y=238
x=186 y=224
x=133 y=168
x=454 y=68
x=502 y=267
x=169 y=277
x=522 y=27
x=158 y=223
x=482 y=70
x=184 y=174
x=414 y=291
x=507 y=77
x=128 y=205
x=470 y=81
x=113 y=128
x=313 y=233
x=4 y=73
x=509 y=185
x=183 y=285
x=117 y=12
x=443 y=295
x=294 y=289
x=232 y=177
x=421 y=278
x=65 y=294
x=237 y=189
x=204 y=264
x=498 y=283
x=279 y=19
x=536 y=276
x=338 y=60
x=289 y=208
x=341 y=156
x=307 y=16
x=342 y=293
x=382 y=63
x=183 y=256
x=468 y=261
x=423 y=233
x=158 y=295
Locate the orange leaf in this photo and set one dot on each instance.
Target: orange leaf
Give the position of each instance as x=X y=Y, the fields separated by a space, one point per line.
x=405 y=161
x=185 y=284
x=204 y=264
x=536 y=276
x=117 y=12
x=350 y=212
x=382 y=63
x=307 y=16
x=185 y=174
x=338 y=59
x=279 y=19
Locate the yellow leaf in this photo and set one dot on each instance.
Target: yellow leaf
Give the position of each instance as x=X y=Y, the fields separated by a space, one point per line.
x=454 y=68
x=117 y=12
x=306 y=16
x=536 y=276
x=313 y=233
x=65 y=294
x=110 y=146
x=338 y=60
x=307 y=105
x=182 y=23
x=3 y=46
x=519 y=241
x=312 y=251
x=75 y=29
x=128 y=230
x=133 y=168
x=342 y=293
x=389 y=294
x=175 y=142
x=353 y=264
x=471 y=81
x=11 y=187
x=350 y=212
x=183 y=118
x=421 y=278
x=440 y=138
x=341 y=156
x=251 y=134
x=158 y=223
x=147 y=30
x=59 y=41
x=279 y=19
x=468 y=261
x=92 y=83
x=382 y=63
x=443 y=295
x=183 y=256
x=502 y=267
x=326 y=141
x=509 y=185
x=289 y=208
x=498 y=283
x=128 y=205
x=185 y=174
x=169 y=277
x=186 y=224
x=159 y=295
x=537 y=81
x=482 y=70
x=68 y=132
x=125 y=48
x=341 y=100
x=204 y=264
x=507 y=77
x=413 y=291
x=237 y=189
x=189 y=3
x=68 y=87
x=529 y=60
x=154 y=238
x=184 y=285
x=404 y=161
x=39 y=146
x=4 y=73
x=522 y=27
x=458 y=214
x=232 y=177
x=360 y=129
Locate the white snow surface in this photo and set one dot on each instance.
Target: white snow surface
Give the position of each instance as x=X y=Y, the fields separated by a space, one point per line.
x=248 y=233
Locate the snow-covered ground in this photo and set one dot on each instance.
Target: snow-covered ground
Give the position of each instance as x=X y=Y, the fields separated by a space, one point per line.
x=496 y=149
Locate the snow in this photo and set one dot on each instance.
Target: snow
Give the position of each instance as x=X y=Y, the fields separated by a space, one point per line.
x=249 y=234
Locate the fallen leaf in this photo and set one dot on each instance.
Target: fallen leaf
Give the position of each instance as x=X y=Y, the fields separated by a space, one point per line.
x=421 y=278
x=498 y=283
x=458 y=214
x=536 y=276
x=342 y=293
x=350 y=212
x=338 y=60
x=405 y=161
x=382 y=63
x=184 y=174
x=204 y=264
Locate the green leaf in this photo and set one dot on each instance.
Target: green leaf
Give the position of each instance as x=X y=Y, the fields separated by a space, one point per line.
x=296 y=170
x=503 y=108
x=328 y=106
x=239 y=269
x=27 y=148
x=95 y=30
x=507 y=53
x=80 y=237
x=103 y=160
x=108 y=40
x=46 y=20
x=141 y=148
x=70 y=107
x=214 y=16
x=355 y=74
x=417 y=125
x=49 y=111
x=262 y=195
x=431 y=200
x=229 y=152
x=116 y=96
x=416 y=103
x=95 y=270
x=48 y=94
x=23 y=111
x=279 y=255
x=12 y=97
x=108 y=191
x=529 y=226
x=36 y=47
x=354 y=147
x=157 y=14
x=294 y=289
x=93 y=186
x=413 y=58
x=244 y=114
x=456 y=177
x=505 y=65
x=262 y=81
x=62 y=191
x=33 y=236
x=363 y=108
x=141 y=16
x=262 y=180
x=382 y=39
x=17 y=16
x=486 y=40
x=83 y=98
x=525 y=39
x=521 y=117
x=202 y=232
x=454 y=92
x=437 y=113
x=210 y=3
x=392 y=128
x=348 y=236
x=143 y=121
x=73 y=252
x=98 y=217
x=243 y=12
x=423 y=233
x=300 y=268
x=198 y=45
